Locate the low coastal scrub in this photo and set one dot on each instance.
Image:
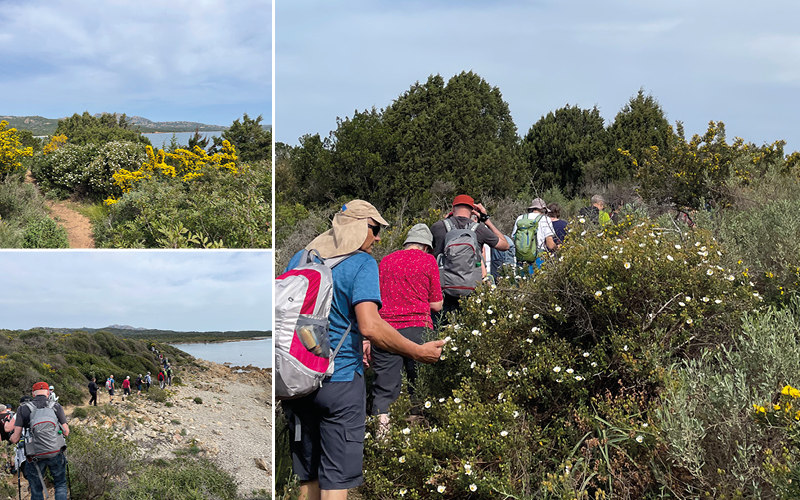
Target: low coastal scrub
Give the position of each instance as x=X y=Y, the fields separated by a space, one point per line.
x=24 y=221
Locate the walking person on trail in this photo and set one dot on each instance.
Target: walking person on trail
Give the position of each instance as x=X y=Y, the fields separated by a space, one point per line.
x=93 y=391
x=329 y=423
x=595 y=213
x=457 y=246
x=126 y=387
x=110 y=387
x=47 y=424
x=169 y=375
x=410 y=290
x=52 y=396
x=161 y=378
x=148 y=381
x=533 y=236
x=139 y=385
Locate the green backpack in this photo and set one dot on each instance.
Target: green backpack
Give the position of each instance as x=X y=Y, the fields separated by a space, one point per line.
x=525 y=239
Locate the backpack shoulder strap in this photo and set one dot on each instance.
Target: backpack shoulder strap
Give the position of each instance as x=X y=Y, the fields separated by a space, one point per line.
x=472 y=226
x=448 y=225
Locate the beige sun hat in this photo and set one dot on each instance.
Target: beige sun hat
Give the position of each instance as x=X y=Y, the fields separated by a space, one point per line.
x=349 y=230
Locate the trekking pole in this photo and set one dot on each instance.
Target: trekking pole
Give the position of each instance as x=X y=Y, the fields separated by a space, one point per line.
x=19 y=481
x=69 y=482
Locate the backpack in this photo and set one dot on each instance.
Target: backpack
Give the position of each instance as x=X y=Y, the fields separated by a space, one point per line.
x=160 y=376
x=108 y=384
x=303 y=298
x=460 y=261
x=45 y=438
x=525 y=238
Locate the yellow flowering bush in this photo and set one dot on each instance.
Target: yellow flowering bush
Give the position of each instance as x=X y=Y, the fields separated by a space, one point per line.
x=55 y=143
x=184 y=164
x=11 y=150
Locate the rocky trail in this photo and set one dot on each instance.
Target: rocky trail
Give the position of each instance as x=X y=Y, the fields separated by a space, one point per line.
x=232 y=426
x=79 y=229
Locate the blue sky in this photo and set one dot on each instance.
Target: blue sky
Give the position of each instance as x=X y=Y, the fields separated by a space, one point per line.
x=168 y=290
x=208 y=61
x=732 y=61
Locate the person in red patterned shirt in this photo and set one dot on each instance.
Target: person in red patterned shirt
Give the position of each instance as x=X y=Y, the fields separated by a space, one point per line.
x=410 y=290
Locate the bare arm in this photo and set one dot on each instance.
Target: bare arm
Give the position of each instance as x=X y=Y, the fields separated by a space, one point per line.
x=502 y=244
x=66 y=429
x=379 y=332
x=14 y=438
x=437 y=306
x=550 y=243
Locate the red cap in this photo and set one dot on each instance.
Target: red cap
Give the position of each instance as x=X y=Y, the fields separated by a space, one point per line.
x=38 y=386
x=464 y=199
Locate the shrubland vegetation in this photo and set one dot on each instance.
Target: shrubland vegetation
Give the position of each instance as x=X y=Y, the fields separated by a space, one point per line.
x=199 y=195
x=657 y=357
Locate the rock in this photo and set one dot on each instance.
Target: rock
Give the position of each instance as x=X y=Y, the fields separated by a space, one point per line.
x=262 y=464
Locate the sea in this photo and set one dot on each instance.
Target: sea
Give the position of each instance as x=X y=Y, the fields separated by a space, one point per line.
x=161 y=140
x=238 y=353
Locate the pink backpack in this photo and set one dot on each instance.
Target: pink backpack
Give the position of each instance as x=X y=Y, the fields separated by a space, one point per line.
x=303 y=297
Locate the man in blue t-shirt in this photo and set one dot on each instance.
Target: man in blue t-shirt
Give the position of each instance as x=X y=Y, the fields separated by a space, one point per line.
x=329 y=454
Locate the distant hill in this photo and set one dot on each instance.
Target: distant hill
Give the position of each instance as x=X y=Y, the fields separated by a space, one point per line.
x=134 y=333
x=39 y=125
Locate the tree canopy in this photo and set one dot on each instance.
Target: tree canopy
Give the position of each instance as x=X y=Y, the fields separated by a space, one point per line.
x=84 y=129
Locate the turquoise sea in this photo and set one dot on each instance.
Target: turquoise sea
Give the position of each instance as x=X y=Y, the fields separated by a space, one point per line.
x=162 y=140
x=240 y=353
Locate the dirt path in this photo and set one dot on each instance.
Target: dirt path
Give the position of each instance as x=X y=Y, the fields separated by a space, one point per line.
x=79 y=229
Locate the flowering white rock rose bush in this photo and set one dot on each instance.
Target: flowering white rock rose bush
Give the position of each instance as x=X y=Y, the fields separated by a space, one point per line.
x=546 y=387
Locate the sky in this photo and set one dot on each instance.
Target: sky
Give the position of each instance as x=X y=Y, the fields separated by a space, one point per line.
x=732 y=61
x=166 y=290
x=208 y=61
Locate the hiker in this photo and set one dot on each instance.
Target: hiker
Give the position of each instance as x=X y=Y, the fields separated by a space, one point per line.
x=503 y=262
x=93 y=391
x=595 y=213
x=148 y=381
x=533 y=236
x=161 y=378
x=110 y=387
x=7 y=426
x=49 y=435
x=559 y=226
x=457 y=245
x=52 y=396
x=410 y=290
x=126 y=387
x=139 y=385
x=328 y=455
x=169 y=375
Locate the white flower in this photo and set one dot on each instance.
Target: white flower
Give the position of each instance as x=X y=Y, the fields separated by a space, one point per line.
x=454 y=348
x=709 y=272
x=441 y=400
x=627 y=265
x=530 y=341
x=705 y=299
x=570 y=371
x=535 y=329
x=558 y=308
x=681 y=304
x=442 y=357
x=403 y=492
x=625 y=347
x=510 y=373
x=609 y=287
x=467 y=467
x=467 y=353
x=669 y=258
x=717 y=301
x=583 y=233
x=641 y=245
x=605 y=257
x=440 y=489
x=456 y=400
x=504 y=433
x=586 y=355
x=688 y=299
x=594 y=364
x=581 y=220
x=500 y=396
x=476 y=332
x=402 y=459
x=578 y=378
x=729 y=277
x=488 y=370
x=472 y=365
x=516 y=414
x=478 y=300
x=598 y=293
x=472 y=487
x=489 y=311
x=536 y=316
x=406 y=431
x=367 y=435
x=557 y=369
x=559 y=381
x=427 y=404
x=639 y=438
x=689 y=321
x=645 y=424
x=493 y=321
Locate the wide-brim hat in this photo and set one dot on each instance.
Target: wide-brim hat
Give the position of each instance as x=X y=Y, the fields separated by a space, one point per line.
x=537 y=203
x=419 y=233
x=349 y=230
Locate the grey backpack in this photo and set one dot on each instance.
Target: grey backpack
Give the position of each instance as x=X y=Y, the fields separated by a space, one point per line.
x=45 y=438
x=460 y=261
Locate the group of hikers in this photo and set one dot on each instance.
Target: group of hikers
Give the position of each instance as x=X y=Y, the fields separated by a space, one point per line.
x=39 y=429
x=379 y=315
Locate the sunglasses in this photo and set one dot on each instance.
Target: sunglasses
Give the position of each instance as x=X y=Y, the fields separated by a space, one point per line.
x=375 y=229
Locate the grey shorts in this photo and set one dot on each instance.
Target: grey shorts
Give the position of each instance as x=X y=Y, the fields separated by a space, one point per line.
x=332 y=426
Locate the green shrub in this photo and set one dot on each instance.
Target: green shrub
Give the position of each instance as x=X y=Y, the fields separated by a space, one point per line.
x=157 y=394
x=180 y=479
x=44 y=233
x=198 y=400
x=98 y=461
x=80 y=412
